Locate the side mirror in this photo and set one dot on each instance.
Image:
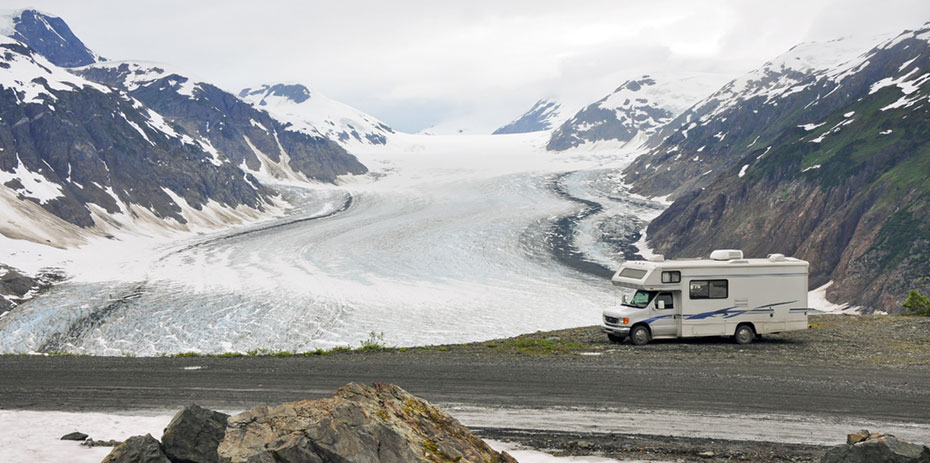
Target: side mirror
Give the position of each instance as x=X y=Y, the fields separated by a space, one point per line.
x=623 y=299
x=660 y=305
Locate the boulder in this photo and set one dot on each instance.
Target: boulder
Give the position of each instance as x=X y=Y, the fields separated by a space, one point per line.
x=74 y=436
x=884 y=449
x=138 y=449
x=380 y=423
x=193 y=435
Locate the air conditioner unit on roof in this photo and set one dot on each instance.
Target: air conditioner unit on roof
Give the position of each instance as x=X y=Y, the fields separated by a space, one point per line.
x=726 y=254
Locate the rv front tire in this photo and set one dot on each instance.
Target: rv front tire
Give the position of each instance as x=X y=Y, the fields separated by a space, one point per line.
x=744 y=334
x=639 y=335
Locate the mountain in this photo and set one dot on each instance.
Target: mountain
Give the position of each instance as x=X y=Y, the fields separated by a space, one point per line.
x=831 y=165
x=231 y=129
x=315 y=114
x=744 y=115
x=637 y=108
x=88 y=154
x=544 y=115
x=48 y=35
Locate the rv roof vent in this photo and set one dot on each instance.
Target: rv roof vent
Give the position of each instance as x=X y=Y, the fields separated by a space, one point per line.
x=777 y=257
x=657 y=258
x=726 y=254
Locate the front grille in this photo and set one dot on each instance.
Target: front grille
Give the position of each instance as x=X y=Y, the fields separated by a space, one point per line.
x=611 y=320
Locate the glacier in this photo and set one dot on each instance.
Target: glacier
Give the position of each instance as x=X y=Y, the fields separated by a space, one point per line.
x=449 y=240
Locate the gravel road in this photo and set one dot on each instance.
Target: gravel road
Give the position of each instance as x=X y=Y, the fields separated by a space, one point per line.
x=844 y=366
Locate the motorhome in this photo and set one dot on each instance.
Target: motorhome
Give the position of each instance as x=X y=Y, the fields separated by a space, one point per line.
x=725 y=295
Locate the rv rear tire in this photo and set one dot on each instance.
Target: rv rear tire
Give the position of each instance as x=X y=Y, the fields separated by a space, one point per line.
x=615 y=338
x=639 y=335
x=744 y=334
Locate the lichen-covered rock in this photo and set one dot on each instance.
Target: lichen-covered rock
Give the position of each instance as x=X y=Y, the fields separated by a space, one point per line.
x=138 y=449
x=884 y=449
x=380 y=423
x=193 y=435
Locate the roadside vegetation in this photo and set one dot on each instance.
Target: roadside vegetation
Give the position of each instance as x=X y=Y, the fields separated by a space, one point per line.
x=918 y=303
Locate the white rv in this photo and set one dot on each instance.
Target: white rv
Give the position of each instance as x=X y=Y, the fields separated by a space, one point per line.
x=725 y=295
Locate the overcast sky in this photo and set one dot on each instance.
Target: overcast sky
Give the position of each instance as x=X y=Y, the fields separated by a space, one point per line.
x=477 y=63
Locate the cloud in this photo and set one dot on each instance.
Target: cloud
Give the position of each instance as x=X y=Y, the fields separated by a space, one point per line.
x=416 y=62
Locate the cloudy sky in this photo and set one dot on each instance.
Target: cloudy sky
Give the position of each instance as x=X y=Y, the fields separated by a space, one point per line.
x=473 y=65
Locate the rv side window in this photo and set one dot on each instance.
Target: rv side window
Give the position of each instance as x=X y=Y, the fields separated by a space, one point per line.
x=633 y=273
x=671 y=277
x=709 y=289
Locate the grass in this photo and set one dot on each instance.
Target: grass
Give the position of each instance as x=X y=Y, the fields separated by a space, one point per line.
x=552 y=345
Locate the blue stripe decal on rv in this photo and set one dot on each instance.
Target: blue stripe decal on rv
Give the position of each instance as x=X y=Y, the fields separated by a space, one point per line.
x=656 y=318
x=731 y=312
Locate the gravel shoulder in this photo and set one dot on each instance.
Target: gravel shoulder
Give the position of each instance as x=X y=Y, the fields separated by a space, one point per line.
x=844 y=366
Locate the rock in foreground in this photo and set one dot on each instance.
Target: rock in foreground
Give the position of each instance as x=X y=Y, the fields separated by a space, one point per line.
x=138 y=449
x=360 y=424
x=863 y=447
x=193 y=435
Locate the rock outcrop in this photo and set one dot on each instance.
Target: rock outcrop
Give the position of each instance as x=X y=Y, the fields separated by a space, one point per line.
x=193 y=435
x=138 y=449
x=865 y=447
x=377 y=423
x=381 y=423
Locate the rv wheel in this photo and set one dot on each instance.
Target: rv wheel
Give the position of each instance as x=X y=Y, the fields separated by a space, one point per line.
x=639 y=335
x=744 y=334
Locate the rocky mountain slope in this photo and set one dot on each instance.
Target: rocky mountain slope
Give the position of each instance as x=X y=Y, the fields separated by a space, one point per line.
x=226 y=126
x=544 y=115
x=48 y=35
x=112 y=143
x=83 y=152
x=312 y=113
x=636 y=109
x=831 y=165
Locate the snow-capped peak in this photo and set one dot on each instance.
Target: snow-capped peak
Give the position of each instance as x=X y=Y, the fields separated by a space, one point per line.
x=47 y=34
x=788 y=73
x=544 y=115
x=311 y=112
x=637 y=108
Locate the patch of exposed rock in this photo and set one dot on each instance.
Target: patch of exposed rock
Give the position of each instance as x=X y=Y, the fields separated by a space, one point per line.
x=17 y=287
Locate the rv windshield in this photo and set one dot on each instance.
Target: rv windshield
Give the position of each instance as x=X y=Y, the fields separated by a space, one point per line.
x=641 y=299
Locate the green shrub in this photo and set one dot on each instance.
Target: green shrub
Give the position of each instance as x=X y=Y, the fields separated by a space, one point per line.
x=917 y=304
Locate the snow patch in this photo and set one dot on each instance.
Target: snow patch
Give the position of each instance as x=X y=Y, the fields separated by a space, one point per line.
x=809 y=127
x=742 y=171
x=34 y=185
x=815 y=166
